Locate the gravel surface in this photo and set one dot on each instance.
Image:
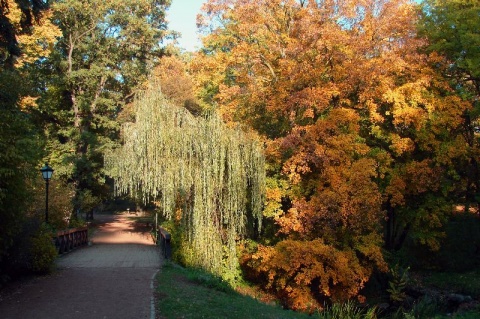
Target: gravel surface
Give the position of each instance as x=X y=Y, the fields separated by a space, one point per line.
x=111 y=278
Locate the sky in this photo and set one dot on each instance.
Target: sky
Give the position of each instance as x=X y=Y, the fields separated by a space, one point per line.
x=182 y=16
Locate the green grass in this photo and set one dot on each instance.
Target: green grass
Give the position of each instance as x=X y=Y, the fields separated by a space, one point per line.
x=183 y=293
x=467 y=283
x=191 y=294
x=472 y=314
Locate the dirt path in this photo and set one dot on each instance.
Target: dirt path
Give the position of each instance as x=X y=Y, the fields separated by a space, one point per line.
x=112 y=278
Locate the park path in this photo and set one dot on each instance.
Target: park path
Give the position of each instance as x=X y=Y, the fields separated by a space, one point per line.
x=110 y=279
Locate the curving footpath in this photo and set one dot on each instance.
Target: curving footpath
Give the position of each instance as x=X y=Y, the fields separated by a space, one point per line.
x=110 y=279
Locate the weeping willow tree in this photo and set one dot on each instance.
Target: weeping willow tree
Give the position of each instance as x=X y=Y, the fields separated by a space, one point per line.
x=198 y=170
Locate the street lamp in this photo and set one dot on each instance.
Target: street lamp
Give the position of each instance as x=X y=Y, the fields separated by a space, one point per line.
x=47 y=172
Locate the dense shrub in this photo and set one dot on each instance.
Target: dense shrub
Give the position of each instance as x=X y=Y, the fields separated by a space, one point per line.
x=60 y=204
x=461 y=248
x=306 y=274
x=33 y=251
x=42 y=250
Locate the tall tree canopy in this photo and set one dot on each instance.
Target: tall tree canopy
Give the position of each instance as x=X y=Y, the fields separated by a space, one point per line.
x=357 y=123
x=453 y=31
x=27 y=35
x=106 y=49
x=206 y=176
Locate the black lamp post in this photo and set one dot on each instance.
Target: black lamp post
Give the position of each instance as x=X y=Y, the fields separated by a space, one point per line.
x=47 y=172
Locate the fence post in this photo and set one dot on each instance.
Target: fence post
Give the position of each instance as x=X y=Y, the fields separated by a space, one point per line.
x=165 y=237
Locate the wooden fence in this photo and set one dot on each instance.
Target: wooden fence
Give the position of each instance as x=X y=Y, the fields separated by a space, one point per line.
x=163 y=239
x=66 y=240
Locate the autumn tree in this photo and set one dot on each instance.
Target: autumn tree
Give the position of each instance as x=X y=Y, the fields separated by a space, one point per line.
x=26 y=32
x=176 y=82
x=105 y=51
x=356 y=123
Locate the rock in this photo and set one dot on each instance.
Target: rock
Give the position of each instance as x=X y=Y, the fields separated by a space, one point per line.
x=458 y=299
x=454 y=301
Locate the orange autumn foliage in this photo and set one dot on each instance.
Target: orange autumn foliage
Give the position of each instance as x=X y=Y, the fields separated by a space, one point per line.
x=361 y=133
x=293 y=269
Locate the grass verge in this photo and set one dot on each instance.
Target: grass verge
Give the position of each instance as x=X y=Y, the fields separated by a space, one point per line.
x=191 y=294
x=465 y=283
x=471 y=314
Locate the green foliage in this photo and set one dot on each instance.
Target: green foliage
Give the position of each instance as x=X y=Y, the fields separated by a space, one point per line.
x=208 y=280
x=59 y=201
x=398 y=283
x=426 y=307
x=182 y=251
x=452 y=28
x=87 y=201
x=42 y=250
x=462 y=282
x=460 y=248
x=106 y=50
x=347 y=310
x=208 y=177
x=423 y=308
x=33 y=251
x=469 y=314
x=21 y=150
x=458 y=251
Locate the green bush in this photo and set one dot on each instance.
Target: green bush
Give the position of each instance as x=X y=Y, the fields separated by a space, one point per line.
x=33 y=250
x=42 y=251
x=346 y=310
x=426 y=307
x=397 y=284
x=461 y=248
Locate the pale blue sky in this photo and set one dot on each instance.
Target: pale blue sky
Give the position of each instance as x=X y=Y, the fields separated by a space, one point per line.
x=182 y=17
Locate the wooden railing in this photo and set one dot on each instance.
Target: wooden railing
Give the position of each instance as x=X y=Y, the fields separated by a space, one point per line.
x=66 y=240
x=163 y=239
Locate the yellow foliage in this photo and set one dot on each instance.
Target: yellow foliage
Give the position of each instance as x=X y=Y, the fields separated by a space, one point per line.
x=36 y=42
x=401 y=145
x=273 y=198
x=28 y=102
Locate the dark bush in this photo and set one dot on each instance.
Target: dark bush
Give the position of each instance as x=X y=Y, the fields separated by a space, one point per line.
x=42 y=251
x=461 y=248
x=33 y=251
x=459 y=251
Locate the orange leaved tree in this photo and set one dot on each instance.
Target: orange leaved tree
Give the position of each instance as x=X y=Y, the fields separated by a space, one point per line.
x=360 y=134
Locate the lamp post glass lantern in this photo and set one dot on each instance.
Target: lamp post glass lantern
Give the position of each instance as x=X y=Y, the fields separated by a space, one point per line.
x=47 y=173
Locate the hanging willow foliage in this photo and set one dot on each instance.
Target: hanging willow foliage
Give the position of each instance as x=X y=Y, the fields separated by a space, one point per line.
x=218 y=171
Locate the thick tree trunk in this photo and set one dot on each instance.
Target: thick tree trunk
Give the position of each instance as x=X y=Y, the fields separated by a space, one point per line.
x=395 y=233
